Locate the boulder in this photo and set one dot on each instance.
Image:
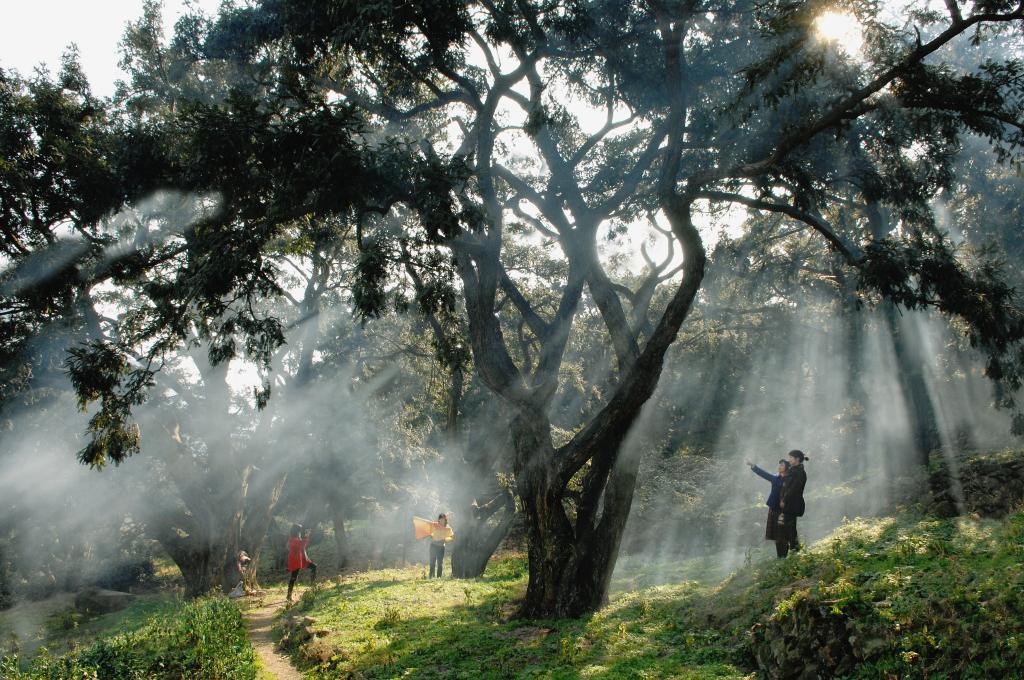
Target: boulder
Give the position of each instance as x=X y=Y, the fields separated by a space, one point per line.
x=806 y=642
x=100 y=601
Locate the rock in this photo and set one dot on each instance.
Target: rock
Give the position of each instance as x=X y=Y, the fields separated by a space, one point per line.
x=805 y=642
x=318 y=652
x=100 y=601
x=870 y=646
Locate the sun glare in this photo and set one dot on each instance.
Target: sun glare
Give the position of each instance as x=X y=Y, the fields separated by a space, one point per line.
x=841 y=28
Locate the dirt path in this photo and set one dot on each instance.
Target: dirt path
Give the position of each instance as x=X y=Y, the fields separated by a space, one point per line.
x=259 y=621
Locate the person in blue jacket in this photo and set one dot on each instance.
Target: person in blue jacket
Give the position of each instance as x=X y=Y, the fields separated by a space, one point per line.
x=773 y=530
x=791 y=500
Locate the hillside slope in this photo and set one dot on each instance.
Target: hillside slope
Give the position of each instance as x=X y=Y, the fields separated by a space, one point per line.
x=911 y=596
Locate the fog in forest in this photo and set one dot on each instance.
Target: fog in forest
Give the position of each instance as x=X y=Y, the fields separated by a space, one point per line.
x=860 y=443
x=365 y=427
x=824 y=380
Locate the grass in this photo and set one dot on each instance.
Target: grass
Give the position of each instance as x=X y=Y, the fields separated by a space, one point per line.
x=930 y=597
x=393 y=623
x=926 y=597
x=204 y=639
x=54 y=624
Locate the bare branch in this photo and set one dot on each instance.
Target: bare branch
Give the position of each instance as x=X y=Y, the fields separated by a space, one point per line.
x=518 y=211
x=632 y=179
x=609 y=126
x=954 y=11
x=492 y=64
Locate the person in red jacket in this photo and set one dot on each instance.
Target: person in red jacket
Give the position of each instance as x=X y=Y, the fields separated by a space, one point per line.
x=297 y=558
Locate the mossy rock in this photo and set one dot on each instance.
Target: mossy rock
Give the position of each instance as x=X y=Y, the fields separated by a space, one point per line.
x=804 y=640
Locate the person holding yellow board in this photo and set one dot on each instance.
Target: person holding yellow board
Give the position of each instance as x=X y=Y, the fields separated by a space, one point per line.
x=439 y=533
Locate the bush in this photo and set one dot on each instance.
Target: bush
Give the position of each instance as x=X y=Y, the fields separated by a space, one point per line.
x=63 y=621
x=46 y=667
x=201 y=640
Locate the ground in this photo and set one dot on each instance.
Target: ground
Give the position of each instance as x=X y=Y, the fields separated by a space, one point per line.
x=906 y=596
x=259 y=618
x=54 y=623
x=909 y=596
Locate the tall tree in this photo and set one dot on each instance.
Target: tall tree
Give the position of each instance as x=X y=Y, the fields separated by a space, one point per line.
x=707 y=104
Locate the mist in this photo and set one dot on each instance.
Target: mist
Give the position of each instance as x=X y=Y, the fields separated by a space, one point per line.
x=386 y=300
x=806 y=387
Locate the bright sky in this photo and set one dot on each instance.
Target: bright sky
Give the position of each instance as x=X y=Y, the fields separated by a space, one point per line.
x=39 y=31
x=842 y=29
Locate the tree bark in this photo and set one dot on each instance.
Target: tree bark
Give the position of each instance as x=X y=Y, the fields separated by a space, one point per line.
x=341 y=549
x=259 y=516
x=196 y=553
x=484 y=509
x=6 y=597
x=481 y=530
x=571 y=562
x=922 y=420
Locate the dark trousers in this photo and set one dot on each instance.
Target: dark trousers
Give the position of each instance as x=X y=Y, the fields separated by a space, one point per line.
x=294 y=575
x=436 y=557
x=788 y=541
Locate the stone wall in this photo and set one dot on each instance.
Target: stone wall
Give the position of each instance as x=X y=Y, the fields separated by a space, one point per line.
x=989 y=486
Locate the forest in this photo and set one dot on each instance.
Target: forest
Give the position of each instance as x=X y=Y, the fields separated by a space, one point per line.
x=327 y=294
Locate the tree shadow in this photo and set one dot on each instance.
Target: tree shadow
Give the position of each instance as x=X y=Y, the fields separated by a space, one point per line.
x=476 y=639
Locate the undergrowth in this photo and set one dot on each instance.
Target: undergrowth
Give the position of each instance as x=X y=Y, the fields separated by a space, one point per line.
x=204 y=639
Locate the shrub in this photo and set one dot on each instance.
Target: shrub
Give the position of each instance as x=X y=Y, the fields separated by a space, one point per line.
x=63 y=621
x=201 y=640
x=46 y=667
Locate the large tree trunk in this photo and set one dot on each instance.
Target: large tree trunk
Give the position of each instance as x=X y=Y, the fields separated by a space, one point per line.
x=196 y=551
x=259 y=515
x=219 y=517
x=924 y=425
x=199 y=534
x=924 y=429
x=201 y=569
x=485 y=510
x=341 y=549
x=854 y=465
x=482 y=528
x=6 y=597
x=572 y=560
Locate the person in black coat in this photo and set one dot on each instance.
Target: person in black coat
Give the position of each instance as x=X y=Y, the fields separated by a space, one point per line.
x=791 y=502
x=772 y=530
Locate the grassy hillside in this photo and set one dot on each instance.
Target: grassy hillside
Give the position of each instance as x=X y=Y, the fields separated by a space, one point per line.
x=914 y=596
